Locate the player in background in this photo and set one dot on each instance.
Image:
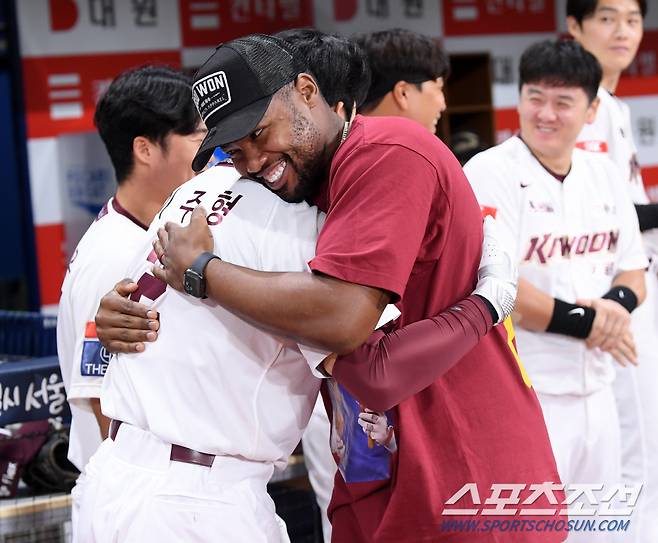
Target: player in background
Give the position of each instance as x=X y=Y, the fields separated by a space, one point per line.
x=574 y=231
x=151 y=131
x=408 y=72
x=296 y=148
x=612 y=31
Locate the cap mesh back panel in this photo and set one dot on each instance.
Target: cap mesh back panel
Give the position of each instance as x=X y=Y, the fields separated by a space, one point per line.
x=269 y=59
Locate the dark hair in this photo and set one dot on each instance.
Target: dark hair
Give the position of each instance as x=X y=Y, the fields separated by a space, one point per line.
x=561 y=63
x=581 y=9
x=338 y=64
x=396 y=53
x=150 y=101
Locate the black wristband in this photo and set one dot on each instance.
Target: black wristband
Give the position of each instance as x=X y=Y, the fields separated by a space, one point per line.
x=571 y=319
x=494 y=314
x=623 y=296
x=647 y=216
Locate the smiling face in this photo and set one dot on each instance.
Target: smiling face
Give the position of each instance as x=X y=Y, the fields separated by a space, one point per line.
x=287 y=152
x=426 y=105
x=551 y=118
x=612 y=33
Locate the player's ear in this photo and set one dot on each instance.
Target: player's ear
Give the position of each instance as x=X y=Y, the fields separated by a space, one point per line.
x=339 y=109
x=592 y=109
x=308 y=88
x=399 y=95
x=142 y=150
x=573 y=27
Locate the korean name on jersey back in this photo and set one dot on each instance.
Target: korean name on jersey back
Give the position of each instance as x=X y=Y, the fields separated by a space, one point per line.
x=95 y=358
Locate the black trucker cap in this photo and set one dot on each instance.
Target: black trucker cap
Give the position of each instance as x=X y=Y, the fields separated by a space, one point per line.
x=234 y=87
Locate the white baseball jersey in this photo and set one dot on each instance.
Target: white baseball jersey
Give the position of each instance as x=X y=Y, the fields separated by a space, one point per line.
x=212 y=382
x=611 y=133
x=570 y=239
x=98 y=263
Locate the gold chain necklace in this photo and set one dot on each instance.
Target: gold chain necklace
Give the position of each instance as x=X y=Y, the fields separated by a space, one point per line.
x=346 y=130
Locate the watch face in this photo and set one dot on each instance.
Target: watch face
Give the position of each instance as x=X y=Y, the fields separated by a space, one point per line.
x=192 y=282
x=187 y=285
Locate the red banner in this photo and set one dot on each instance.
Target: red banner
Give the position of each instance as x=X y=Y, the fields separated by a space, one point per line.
x=206 y=24
x=476 y=17
x=61 y=92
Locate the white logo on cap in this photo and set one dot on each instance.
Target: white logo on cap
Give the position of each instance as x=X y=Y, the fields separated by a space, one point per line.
x=210 y=94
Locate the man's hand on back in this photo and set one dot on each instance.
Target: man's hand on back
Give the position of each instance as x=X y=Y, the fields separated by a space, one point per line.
x=178 y=246
x=123 y=325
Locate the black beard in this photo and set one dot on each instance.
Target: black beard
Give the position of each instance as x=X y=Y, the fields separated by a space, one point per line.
x=311 y=165
x=309 y=180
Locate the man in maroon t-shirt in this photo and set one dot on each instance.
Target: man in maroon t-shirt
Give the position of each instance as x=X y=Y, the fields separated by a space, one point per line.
x=402 y=225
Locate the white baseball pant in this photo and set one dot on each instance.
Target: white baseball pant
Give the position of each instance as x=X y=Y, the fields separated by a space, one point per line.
x=132 y=492
x=637 y=403
x=584 y=433
x=320 y=463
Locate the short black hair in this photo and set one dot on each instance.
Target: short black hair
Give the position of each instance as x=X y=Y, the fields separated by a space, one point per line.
x=399 y=51
x=563 y=63
x=581 y=9
x=149 y=101
x=339 y=65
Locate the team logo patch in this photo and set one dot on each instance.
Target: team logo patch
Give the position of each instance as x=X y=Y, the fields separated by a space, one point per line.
x=95 y=357
x=593 y=146
x=210 y=94
x=488 y=210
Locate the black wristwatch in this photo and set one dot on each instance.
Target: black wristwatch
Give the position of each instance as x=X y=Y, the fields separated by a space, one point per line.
x=194 y=281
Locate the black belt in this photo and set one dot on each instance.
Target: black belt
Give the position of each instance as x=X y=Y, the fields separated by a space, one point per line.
x=178 y=452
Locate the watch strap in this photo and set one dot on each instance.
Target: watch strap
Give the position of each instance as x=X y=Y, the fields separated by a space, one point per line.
x=201 y=261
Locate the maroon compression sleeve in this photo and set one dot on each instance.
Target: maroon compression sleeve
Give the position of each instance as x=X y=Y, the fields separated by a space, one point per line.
x=389 y=368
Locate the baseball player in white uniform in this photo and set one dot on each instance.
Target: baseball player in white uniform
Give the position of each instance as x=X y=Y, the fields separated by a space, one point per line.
x=612 y=31
x=150 y=159
x=228 y=390
x=111 y=239
x=575 y=235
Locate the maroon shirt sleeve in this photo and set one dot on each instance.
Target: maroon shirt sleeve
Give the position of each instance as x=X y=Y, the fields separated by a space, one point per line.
x=390 y=368
x=380 y=198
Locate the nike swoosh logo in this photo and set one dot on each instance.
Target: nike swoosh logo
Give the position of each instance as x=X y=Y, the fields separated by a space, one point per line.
x=524 y=185
x=577 y=311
